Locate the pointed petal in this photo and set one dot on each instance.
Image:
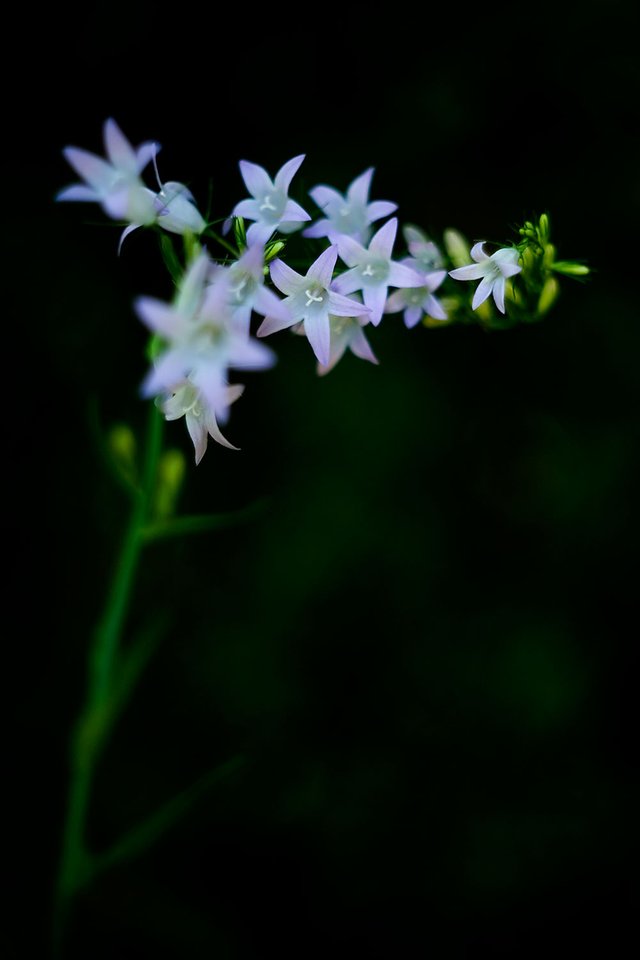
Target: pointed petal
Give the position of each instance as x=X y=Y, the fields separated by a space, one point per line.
x=241 y=319
x=498 y=293
x=435 y=278
x=509 y=269
x=433 y=308
x=412 y=316
x=341 y=306
x=97 y=172
x=252 y=260
x=286 y=173
x=256 y=178
x=325 y=197
x=361 y=347
x=375 y=298
x=477 y=252
x=474 y=271
x=146 y=152
x=267 y=304
x=169 y=369
x=403 y=276
x=483 y=291
x=286 y=280
x=396 y=302
x=350 y=250
x=249 y=209
x=382 y=243
x=273 y=324
x=159 y=317
x=339 y=344
x=318 y=332
x=215 y=433
x=319 y=229
x=78 y=191
x=198 y=433
x=259 y=233
x=192 y=285
x=322 y=269
x=119 y=150
x=348 y=282
x=359 y=189
x=125 y=233
x=293 y=212
x=379 y=209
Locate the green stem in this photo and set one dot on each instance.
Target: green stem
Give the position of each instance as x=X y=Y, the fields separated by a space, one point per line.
x=96 y=719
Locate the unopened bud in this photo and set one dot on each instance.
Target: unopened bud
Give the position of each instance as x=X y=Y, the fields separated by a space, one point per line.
x=548 y=296
x=570 y=269
x=240 y=233
x=457 y=247
x=273 y=250
x=544 y=227
x=122 y=444
x=171 y=472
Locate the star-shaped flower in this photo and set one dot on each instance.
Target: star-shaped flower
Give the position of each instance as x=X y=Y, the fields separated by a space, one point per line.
x=372 y=269
x=247 y=292
x=270 y=207
x=416 y=301
x=202 y=343
x=422 y=249
x=311 y=300
x=351 y=214
x=347 y=334
x=492 y=271
x=187 y=401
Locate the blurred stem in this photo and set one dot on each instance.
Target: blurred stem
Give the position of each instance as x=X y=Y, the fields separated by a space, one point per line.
x=104 y=695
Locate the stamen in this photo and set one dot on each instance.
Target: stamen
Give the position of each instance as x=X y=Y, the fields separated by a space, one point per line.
x=267 y=205
x=312 y=299
x=368 y=271
x=344 y=211
x=238 y=290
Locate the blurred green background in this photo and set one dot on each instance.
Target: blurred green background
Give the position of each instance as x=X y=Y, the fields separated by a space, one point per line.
x=424 y=647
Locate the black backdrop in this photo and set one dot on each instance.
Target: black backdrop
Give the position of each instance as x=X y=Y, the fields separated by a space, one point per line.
x=424 y=647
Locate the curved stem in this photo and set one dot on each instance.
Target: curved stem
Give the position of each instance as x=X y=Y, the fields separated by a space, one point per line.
x=98 y=714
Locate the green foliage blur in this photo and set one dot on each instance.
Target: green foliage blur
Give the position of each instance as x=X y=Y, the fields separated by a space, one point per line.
x=421 y=643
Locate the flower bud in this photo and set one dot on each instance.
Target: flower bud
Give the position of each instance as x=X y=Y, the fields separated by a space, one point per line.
x=457 y=247
x=273 y=250
x=171 y=471
x=548 y=296
x=543 y=228
x=570 y=269
x=240 y=233
x=122 y=444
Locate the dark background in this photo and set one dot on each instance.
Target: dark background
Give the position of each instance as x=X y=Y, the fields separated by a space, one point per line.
x=425 y=646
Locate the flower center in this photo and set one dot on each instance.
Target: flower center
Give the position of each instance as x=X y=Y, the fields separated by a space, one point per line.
x=272 y=206
x=313 y=295
x=374 y=271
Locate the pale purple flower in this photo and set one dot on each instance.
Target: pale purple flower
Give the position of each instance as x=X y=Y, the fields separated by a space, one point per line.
x=372 y=269
x=187 y=401
x=311 y=300
x=270 y=205
x=247 y=290
x=425 y=251
x=176 y=210
x=347 y=334
x=492 y=271
x=416 y=301
x=202 y=342
x=350 y=214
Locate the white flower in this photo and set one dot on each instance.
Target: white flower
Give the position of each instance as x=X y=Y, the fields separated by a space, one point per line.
x=493 y=272
x=189 y=402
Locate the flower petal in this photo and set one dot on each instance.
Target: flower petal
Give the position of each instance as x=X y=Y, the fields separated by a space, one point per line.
x=434 y=308
x=294 y=212
x=259 y=233
x=477 y=252
x=483 y=291
x=498 y=293
x=379 y=209
x=402 y=276
x=360 y=346
x=435 y=278
x=396 y=302
x=322 y=269
x=474 y=271
x=159 y=317
x=286 y=280
x=146 y=152
x=287 y=171
x=348 y=282
x=119 y=150
x=359 y=189
x=125 y=233
x=412 y=316
x=267 y=304
x=97 y=172
x=319 y=229
x=382 y=242
x=249 y=209
x=325 y=197
x=274 y=324
x=350 y=250
x=198 y=433
x=509 y=269
x=256 y=178
x=78 y=191
x=375 y=298
x=341 y=306
x=318 y=332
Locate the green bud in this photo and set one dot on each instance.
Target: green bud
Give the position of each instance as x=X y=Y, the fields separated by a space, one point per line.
x=240 y=233
x=570 y=269
x=528 y=259
x=171 y=473
x=155 y=346
x=549 y=255
x=457 y=247
x=122 y=445
x=544 y=228
x=548 y=296
x=273 y=250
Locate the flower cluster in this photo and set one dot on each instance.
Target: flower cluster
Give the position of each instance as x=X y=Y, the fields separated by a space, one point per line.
x=204 y=335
